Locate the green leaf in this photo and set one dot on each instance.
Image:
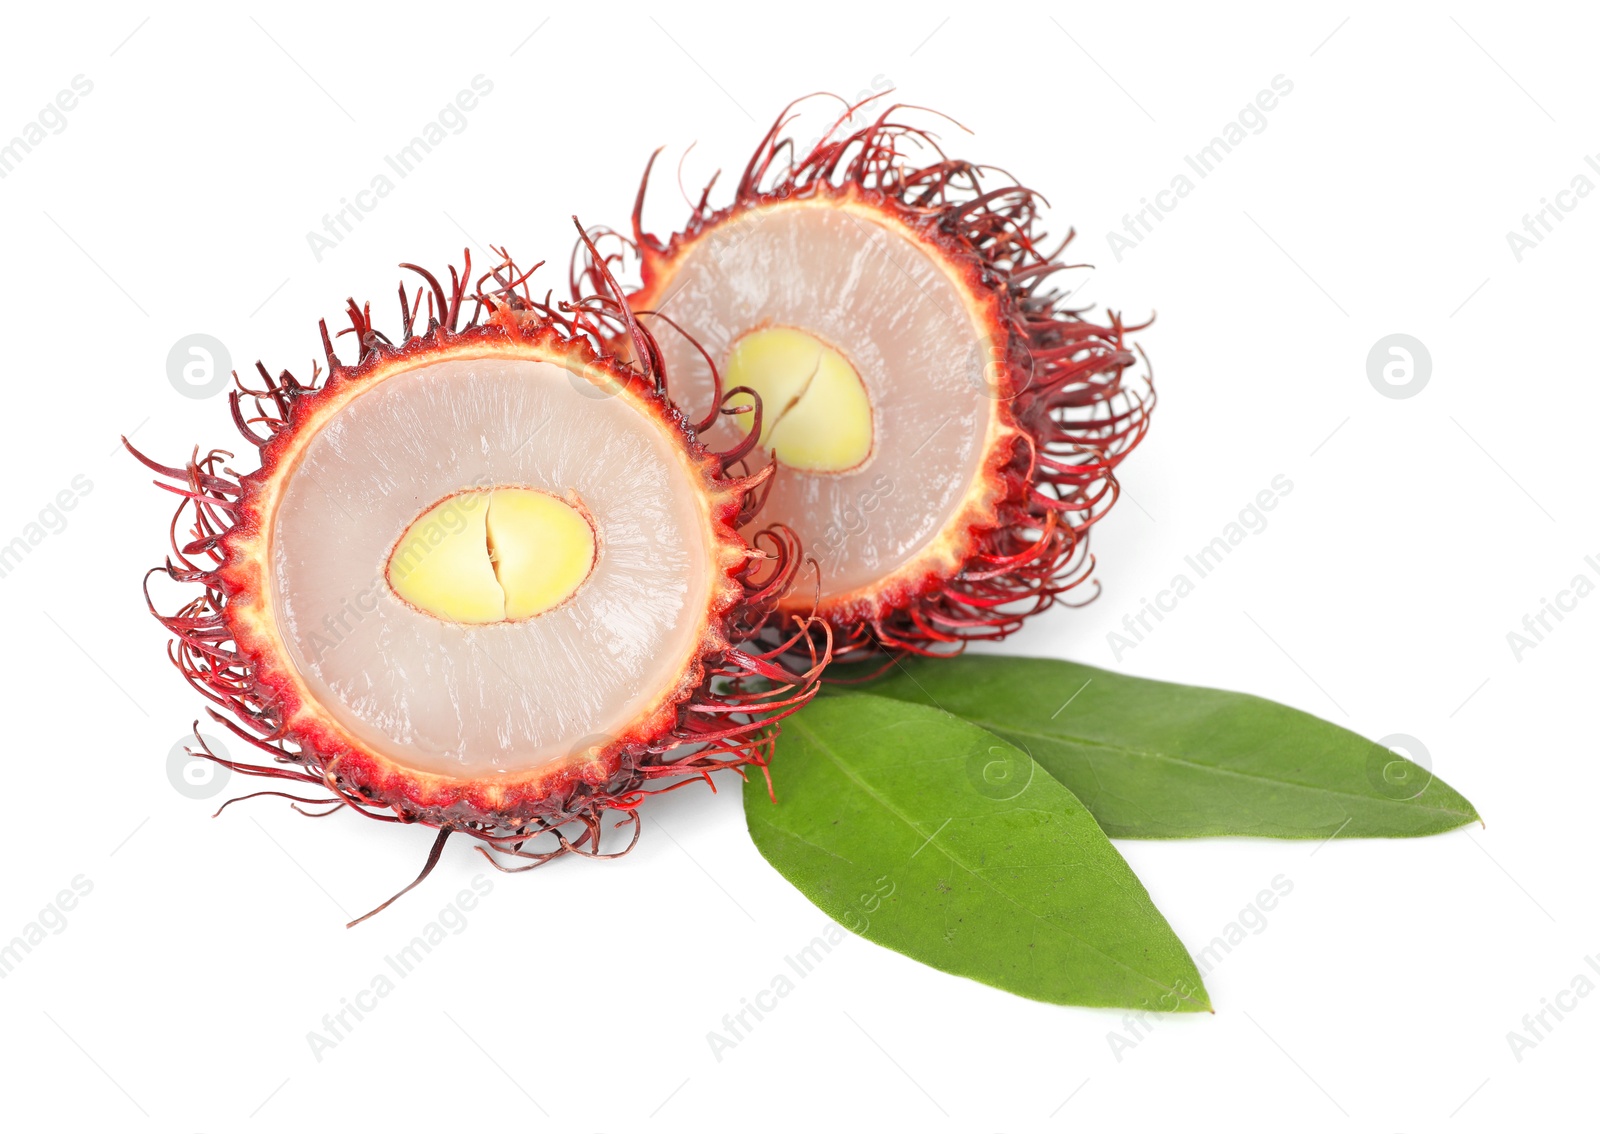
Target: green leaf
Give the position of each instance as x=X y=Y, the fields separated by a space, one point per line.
x=931 y=836
x=1154 y=760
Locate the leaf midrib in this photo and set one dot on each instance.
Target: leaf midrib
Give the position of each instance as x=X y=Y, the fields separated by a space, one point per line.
x=1003 y=729
x=800 y=725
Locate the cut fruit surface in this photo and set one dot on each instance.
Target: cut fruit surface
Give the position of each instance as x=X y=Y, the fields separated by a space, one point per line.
x=947 y=492
x=855 y=299
x=475 y=693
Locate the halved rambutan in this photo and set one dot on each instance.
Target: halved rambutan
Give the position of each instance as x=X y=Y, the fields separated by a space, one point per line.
x=947 y=422
x=485 y=578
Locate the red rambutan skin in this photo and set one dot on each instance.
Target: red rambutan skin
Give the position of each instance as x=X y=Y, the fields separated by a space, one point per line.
x=1066 y=410
x=726 y=703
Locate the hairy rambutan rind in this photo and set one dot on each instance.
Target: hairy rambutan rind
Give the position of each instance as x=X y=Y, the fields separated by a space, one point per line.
x=1067 y=410
x=723 y=710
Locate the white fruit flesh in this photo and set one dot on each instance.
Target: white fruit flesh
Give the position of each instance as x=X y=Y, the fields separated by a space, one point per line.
x=507 y=691
x=898 y=321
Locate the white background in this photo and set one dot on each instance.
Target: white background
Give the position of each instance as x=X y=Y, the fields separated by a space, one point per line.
x=1419 y=532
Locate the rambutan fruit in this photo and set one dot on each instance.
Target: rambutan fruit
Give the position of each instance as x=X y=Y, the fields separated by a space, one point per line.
x=485 y=579
x=946 y=423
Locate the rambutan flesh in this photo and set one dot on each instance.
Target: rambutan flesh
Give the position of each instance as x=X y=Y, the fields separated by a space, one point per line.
x=946 y=422
x=485 y=578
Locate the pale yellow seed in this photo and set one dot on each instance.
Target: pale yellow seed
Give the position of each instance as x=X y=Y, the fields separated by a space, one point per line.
x=496 y=556
x=815 y=412
x=543 y=549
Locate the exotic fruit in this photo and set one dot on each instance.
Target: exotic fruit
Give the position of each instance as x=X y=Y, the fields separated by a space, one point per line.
x=486 y=579
x=945 y=423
